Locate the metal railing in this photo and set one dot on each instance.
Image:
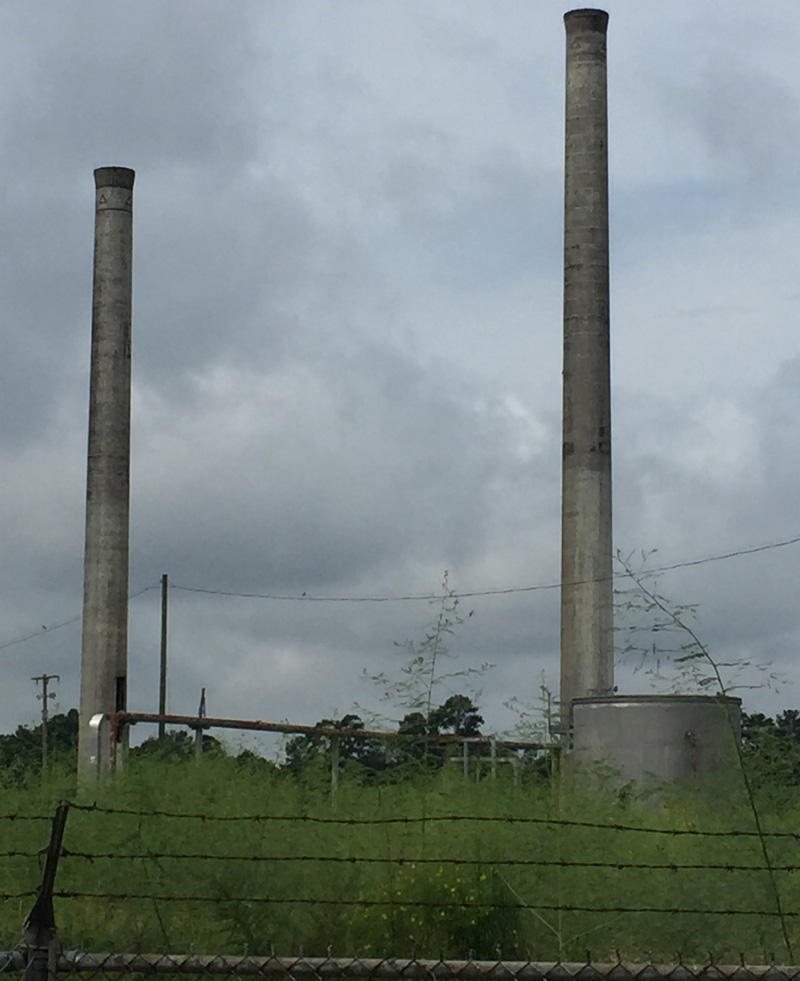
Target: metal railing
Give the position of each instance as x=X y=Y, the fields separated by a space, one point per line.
x=110 y=733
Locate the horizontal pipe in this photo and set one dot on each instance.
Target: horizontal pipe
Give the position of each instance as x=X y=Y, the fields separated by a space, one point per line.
x=120 y=719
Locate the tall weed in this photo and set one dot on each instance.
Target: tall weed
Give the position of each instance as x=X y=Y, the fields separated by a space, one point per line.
x=419 y=883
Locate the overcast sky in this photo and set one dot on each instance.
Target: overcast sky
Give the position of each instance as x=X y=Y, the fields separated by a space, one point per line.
x=347 y=334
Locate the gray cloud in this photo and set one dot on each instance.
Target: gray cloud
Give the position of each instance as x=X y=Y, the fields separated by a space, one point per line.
x=347 y=331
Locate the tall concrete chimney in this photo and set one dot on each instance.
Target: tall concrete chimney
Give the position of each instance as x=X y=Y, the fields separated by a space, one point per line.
x=104 y=654
x=587 y=648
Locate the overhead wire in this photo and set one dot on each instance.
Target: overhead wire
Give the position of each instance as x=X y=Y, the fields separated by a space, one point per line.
x=414 y=597
x=469 y=594
x=51 y=628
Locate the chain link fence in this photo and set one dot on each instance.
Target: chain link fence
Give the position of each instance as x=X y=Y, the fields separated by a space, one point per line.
x=33 y=966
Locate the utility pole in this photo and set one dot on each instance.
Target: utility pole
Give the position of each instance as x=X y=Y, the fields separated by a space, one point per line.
x=45 y=679
x=162 y=688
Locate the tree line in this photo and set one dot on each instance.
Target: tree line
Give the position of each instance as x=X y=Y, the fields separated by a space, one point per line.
x=21 y=751
x=771 y=746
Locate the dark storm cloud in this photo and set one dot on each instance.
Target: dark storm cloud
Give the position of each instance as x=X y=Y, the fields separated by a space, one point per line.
x=155 y=85
x=164 y=80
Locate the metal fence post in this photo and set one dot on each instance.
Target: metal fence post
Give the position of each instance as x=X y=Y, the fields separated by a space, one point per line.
x=39 y=933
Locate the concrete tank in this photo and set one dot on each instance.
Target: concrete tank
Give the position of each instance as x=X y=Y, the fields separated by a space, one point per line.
x=658 y=737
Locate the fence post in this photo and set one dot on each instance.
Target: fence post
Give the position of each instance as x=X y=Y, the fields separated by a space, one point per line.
x=493 y=751
x=198 y=732
x=39 y=931
x=334 y=767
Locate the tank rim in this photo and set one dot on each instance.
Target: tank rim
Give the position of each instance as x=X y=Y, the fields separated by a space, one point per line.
x=619 y=700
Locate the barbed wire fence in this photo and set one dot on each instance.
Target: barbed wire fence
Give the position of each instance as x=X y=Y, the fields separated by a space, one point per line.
x=40 y=956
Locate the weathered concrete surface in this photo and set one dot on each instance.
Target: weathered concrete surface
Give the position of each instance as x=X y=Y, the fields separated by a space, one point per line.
x=656 y=737
x=104 y=654
x=587 y=652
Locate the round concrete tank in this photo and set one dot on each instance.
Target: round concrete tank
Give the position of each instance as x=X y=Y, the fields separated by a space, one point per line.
x=657 y=737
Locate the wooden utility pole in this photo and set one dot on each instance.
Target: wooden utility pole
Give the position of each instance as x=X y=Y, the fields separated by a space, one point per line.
x=162 y=687
x=45 y=679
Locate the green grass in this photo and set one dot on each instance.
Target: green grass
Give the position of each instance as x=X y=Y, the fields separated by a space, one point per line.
x=450 y=895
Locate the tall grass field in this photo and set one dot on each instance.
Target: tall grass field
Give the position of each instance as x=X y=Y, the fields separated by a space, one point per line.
x=229 y=856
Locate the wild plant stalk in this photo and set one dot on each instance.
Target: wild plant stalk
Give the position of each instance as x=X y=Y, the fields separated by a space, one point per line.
x=700 y=651
x=443 y=625
x=422 y=675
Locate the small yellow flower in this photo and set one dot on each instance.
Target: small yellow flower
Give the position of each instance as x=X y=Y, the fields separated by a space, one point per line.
x=384 y=916
x=483 y=877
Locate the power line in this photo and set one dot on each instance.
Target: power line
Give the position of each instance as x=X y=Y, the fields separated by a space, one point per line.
x=415 y=597
x=469 y=594
x=49 y=629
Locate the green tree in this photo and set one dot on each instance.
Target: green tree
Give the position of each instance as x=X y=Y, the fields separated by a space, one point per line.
x=457 y=715
x=307 y=750
x=21 y=751
x=771 y=749
x=177 y=746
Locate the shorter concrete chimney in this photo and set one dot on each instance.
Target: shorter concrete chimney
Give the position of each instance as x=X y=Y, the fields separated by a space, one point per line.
x=104 y=654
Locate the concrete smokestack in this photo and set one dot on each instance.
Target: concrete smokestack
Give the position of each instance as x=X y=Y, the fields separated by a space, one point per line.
x=587 y=648
x=104 y=654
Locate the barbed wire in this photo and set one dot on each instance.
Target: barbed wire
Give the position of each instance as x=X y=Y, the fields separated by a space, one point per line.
x=26 y=817
x=439 y=818
x=417 y=903
x=412 y=862
x=13 y=961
